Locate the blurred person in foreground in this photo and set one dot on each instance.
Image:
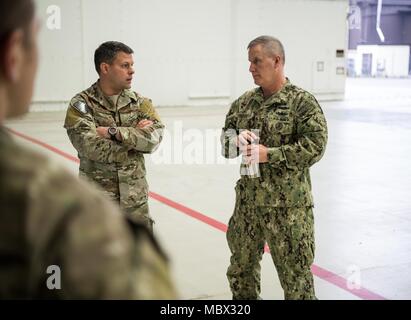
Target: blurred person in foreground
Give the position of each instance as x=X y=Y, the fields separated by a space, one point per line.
x=48 y=218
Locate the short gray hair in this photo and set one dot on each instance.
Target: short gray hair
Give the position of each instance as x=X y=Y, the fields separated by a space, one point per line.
x=272 y=45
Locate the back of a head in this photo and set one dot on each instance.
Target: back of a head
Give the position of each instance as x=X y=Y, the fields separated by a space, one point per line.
x=14 y=14
x=18 y=56
x=272 y=46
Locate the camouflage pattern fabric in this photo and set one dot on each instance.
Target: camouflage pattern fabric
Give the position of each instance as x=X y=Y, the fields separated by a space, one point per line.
x=117 y=167
x=289 y=233
x=275 y=207
x=49 y=217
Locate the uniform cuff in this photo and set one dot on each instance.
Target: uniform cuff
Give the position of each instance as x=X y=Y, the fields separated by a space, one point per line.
x=275 y=155
x=124 y=133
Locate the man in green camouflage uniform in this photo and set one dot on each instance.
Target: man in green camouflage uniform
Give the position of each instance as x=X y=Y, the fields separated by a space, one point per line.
x=281 y=131
x=112 y=127
x=48 y=218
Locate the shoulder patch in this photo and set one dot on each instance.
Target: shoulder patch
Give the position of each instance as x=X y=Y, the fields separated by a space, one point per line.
x=81 y=106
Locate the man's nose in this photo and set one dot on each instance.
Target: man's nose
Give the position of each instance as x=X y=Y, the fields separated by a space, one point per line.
x=131 y=71
x=251 y=68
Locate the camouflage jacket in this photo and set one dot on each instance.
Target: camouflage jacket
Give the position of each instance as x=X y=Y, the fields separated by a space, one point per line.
x=50 y=218
x=104 y=159
x=292 y=126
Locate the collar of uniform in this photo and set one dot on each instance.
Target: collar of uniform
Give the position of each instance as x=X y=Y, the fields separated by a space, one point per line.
x=126 y=97
x=95 y=93
x=279 y=97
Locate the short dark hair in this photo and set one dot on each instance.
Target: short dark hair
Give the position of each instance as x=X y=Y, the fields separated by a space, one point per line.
x=272 y=45
x=15 y=14
x=107 y=52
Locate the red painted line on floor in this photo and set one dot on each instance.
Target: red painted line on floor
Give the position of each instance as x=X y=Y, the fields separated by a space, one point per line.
x=317 y=271
x=45 y=145
x=190 y=212
x=342 y=283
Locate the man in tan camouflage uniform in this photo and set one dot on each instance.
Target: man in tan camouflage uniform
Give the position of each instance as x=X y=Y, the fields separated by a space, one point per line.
x=112 y=127
x=281 y=131
x=50 y=219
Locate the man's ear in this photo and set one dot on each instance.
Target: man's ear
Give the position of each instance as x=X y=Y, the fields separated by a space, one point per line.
x=104 y=68
x=277 y=60
x=13 y=55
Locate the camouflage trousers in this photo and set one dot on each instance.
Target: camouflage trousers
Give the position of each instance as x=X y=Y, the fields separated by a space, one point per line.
x=131 y=196
x=289 y=233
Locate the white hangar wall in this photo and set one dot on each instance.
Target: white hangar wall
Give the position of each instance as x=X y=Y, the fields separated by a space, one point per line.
x=190 y=52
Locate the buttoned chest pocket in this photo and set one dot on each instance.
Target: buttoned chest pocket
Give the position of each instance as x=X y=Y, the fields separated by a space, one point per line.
x=103 y=118
x=279 y=127
x=130 y=117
